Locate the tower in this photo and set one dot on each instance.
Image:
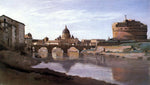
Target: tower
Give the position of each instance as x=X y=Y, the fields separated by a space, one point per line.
x=129 y=30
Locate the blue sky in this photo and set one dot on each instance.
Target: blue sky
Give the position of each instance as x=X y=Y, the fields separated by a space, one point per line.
x=86 y=19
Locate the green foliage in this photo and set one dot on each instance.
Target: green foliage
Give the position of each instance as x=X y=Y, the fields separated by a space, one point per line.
x=137 y=47
x=145 y=46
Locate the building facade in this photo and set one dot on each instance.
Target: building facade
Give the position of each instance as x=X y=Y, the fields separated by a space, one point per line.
x=11 y=32
x=129 y=30
x=91 y=42
x=28 y=40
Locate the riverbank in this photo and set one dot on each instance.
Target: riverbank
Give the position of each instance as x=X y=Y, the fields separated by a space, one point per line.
x=23 y=64
x=143 y=56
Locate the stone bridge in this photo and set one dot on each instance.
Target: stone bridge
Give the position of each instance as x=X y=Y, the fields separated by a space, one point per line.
x=64 y=47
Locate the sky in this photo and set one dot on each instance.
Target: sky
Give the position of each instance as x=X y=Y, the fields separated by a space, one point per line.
x=86 y=19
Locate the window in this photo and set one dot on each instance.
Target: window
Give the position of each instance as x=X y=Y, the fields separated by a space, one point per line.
x=4 y=20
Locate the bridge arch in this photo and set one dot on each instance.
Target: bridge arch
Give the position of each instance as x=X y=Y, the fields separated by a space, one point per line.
x=63 y=47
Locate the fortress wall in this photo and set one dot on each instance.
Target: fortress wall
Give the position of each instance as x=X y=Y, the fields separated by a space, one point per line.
x=128 y=55
x=129 y=30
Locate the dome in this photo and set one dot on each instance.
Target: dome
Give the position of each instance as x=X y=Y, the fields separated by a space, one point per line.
x=29 y=35
x=46 y=39
x=66 y=33
x=66 y=30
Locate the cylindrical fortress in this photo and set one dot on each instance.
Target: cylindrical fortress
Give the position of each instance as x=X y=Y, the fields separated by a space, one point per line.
x=129 y=30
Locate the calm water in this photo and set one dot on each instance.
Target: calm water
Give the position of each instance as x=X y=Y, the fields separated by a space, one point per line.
x=115 y=70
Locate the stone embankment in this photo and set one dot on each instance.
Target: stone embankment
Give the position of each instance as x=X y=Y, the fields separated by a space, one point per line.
x=23 y=63
x=130 y=55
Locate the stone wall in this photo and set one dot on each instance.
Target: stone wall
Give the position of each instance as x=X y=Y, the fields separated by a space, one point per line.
x=128 y=55
x=112 y=48
x=11 y=32
x=21 y=33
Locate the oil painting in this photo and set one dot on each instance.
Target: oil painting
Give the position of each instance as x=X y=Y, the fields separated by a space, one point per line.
x=74 y=42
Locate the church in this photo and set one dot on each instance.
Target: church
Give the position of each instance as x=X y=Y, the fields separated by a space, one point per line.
x=65 y=39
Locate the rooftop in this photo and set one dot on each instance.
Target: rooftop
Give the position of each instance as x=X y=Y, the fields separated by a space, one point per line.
x=11 y=19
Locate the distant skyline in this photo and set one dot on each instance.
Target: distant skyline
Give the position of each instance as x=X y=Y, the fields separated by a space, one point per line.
x=86 y=19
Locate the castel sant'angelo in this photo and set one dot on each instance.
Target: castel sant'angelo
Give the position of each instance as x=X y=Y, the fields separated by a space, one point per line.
x=129 y=30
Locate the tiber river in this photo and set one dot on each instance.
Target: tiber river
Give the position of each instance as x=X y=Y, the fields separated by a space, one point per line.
x=114 y=70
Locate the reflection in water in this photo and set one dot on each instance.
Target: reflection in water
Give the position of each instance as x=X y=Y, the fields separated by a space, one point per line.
x=131 y=75
x=92 y=71
x=67 y=66
x=80 y=69
x=120 y=71
x=100 y=59
x=53 y=66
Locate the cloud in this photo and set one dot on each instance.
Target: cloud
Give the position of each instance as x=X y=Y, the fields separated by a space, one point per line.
x=40 y=22
x=76 y=16
x=48 y=17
